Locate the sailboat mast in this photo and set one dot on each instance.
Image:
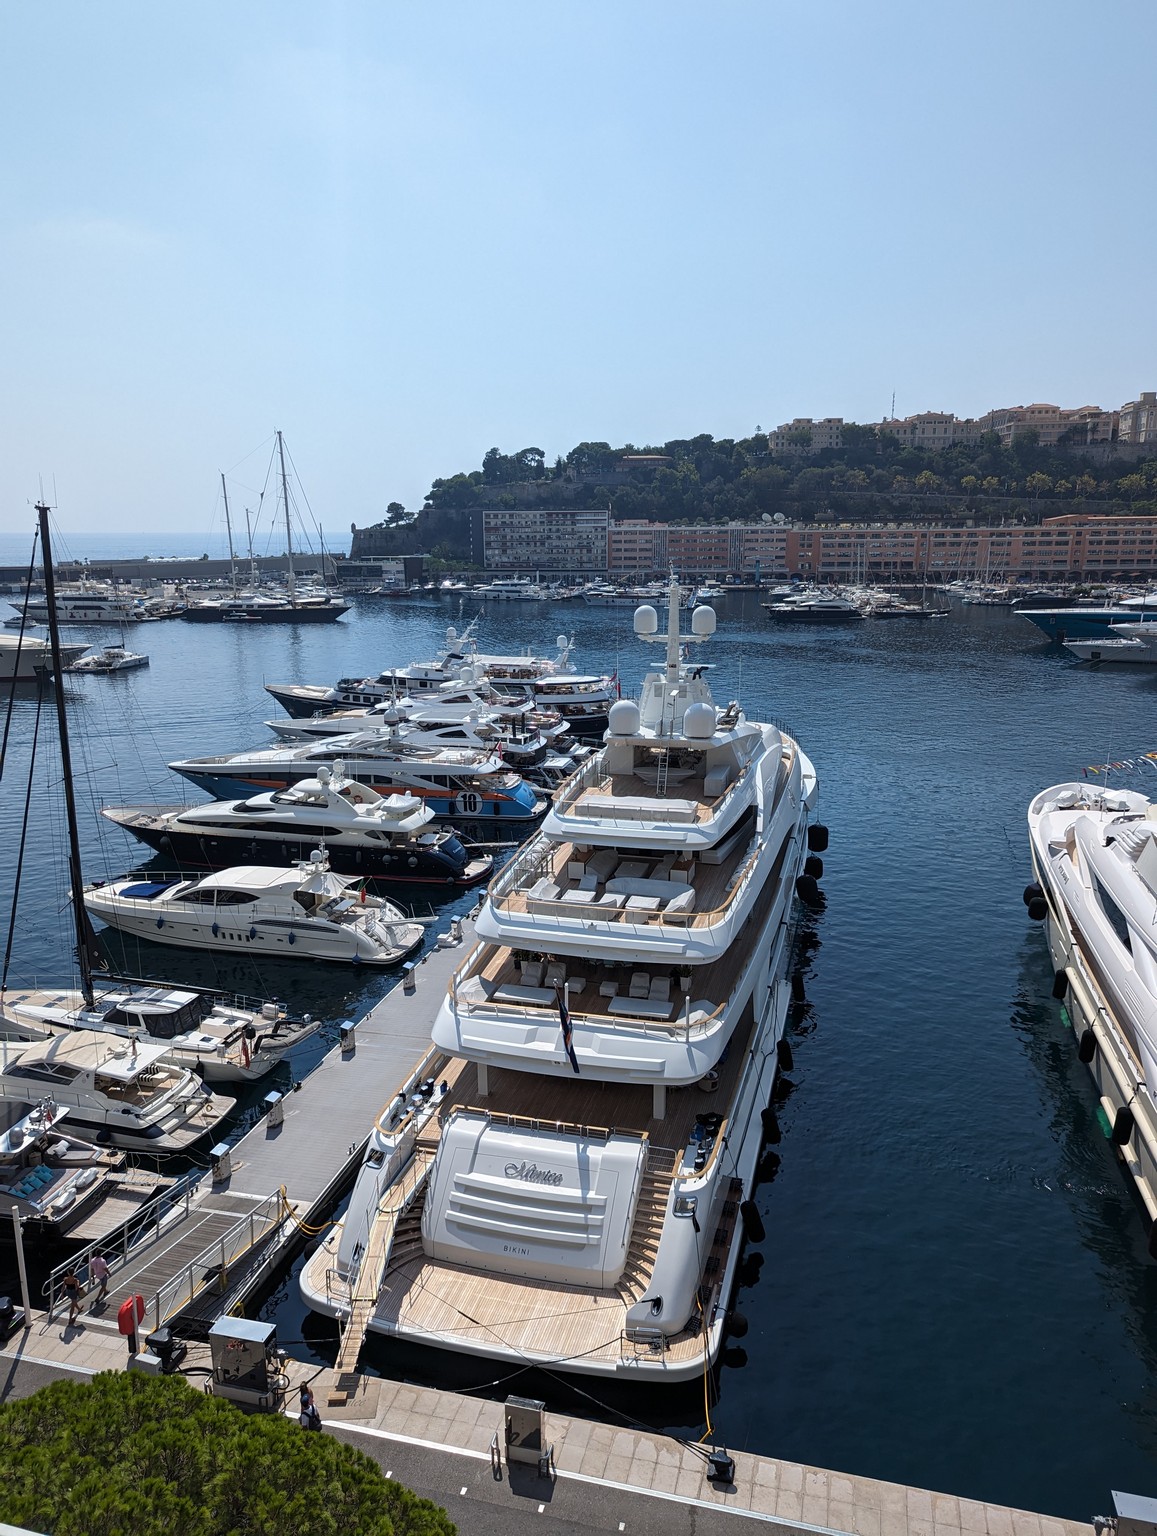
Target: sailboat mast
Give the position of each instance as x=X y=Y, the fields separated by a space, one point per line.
x=288 y=519
x=75 y=877
x=229 y=534
x=249 y=538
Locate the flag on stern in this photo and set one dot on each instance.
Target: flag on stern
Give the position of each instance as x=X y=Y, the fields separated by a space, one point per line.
x=564 y=1020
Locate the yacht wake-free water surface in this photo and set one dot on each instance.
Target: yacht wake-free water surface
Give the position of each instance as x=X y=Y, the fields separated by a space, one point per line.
x=565 y=1178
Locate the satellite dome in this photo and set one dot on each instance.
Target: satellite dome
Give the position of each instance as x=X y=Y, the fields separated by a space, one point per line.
x=646 y=620
x=323 y=774
x=451 y=635
x=466 y=675
x=560 y=641
x=703 y=621
x=623 y=718
x=699 y=721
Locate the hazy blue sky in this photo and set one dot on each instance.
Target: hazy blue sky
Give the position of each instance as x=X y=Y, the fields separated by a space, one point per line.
x=406 y=232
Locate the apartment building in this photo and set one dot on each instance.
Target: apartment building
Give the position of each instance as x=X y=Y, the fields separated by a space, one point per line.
x=553 y=542
x=932 y=429
x=1071 y=545
x=1084 y=424
x=803 y=437
x=1138 y=419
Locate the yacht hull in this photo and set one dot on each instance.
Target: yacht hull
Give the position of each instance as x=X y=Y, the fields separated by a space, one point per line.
x=1091 y=1009
x=405 y=865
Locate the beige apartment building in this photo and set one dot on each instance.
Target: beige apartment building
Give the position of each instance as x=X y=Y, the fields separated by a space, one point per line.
x=1135 y=422
x=1138 y=419
x=1071 y=546
x=803 y=436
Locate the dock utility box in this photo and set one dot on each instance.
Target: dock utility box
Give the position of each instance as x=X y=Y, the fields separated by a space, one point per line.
x=1136 y=1515
x=246 y=1364
x=525 y=1433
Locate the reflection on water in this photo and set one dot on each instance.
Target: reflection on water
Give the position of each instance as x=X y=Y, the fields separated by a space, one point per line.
x=954 y=1289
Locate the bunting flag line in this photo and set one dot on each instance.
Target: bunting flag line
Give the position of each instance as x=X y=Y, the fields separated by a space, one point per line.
x=1124 y=765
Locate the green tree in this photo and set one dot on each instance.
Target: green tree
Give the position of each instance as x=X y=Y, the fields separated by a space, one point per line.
x=151 y=1456
x=1086 y=484
x=970 y=485
x=1037 y=483
x=990 y=485
x=1132 y=486
x=927 y=482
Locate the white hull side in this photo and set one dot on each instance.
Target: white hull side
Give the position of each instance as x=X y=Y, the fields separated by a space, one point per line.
x=1113 y=1067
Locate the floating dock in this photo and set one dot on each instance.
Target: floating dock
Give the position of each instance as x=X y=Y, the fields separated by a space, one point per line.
x=221 y=1235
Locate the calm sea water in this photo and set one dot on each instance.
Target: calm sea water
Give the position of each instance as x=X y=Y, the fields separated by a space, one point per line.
x=955 y=1290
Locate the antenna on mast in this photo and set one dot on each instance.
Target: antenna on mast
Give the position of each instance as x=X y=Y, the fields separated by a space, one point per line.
x=893 y=415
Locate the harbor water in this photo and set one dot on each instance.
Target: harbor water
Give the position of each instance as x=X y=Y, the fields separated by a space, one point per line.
x=955 y=1289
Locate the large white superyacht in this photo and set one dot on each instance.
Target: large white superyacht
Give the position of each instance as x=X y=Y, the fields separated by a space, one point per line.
x=1094 y=855
x=565 y=1178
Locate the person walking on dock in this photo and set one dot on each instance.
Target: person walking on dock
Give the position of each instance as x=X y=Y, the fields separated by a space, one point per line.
x=310 y=1416
x=98 y=1271
x=70 y=1287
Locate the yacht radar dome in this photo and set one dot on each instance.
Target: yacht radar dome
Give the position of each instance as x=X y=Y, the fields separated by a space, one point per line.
x=699 y=721
x=323 y=774
x=646 y=620
x=703 y=621
x=623 y=718
x=561 y=642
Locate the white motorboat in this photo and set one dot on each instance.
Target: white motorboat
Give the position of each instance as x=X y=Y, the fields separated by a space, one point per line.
x=113 y=658
x=92 y=604
x=460 y=663
x=516 y=589
x=226 y=1040
x=814 y=608
x=427 y=724
x=458 y=783
x=384 y=837
x=304 y=913
x=632 y=971
x=1094 y=856
x=25 y=658
x=119 y=1091
x=1134 y=643
x=49 y=1177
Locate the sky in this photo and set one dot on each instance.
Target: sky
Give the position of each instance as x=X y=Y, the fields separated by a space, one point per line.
x=406 y=233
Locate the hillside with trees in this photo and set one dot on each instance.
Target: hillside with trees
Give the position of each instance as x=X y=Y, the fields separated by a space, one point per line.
x=871 y=478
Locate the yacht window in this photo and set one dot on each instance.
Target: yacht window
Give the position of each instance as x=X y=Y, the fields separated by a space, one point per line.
x=234 y=899
x=45 y=1071
x=1116 y=917
x=204 y=897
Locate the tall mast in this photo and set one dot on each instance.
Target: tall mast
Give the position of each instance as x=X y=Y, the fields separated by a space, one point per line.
x=229 y=532
x=249 y=538
x=75 y=877
x=673 y=630
x=288 y=520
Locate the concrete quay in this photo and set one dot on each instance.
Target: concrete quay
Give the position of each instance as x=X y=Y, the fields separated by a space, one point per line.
x=606 y=1478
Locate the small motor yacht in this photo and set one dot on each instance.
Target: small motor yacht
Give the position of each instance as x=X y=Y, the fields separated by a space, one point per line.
x=305 y=913
x=384 y=837
x=49 y=1177
x=121 y=1091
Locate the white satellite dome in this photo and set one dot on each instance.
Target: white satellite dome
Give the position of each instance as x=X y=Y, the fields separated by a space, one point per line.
x=623 y=718
x=646 y=620
x=451 y=635
x=466 y=675
x=703 y=621
x=699 y=721
x=561 y=642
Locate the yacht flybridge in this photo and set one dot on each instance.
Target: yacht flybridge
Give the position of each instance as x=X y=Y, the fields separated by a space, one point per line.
x=561 y=1183
x=1094 y=854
